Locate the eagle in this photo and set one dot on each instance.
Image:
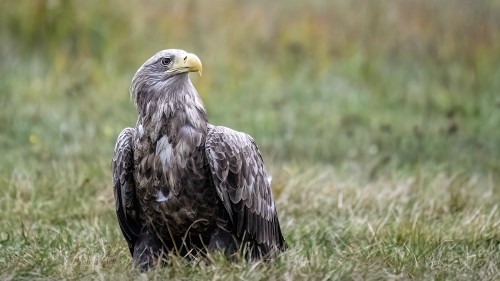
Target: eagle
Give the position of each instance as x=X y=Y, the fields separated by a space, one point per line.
x=182 y=185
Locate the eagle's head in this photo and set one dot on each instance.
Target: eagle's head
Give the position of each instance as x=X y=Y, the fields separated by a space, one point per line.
x=166 y=69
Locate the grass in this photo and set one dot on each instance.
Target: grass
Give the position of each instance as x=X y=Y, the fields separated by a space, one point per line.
x=425 y=227
x=378 y=121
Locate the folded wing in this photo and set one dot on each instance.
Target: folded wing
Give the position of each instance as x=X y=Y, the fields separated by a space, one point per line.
x=124 y=187
x=243 y=185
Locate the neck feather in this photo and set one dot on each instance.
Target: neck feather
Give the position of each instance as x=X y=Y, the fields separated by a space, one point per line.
x=166 y=106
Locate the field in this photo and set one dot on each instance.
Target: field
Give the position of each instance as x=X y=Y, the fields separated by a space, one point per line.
x=378 y=120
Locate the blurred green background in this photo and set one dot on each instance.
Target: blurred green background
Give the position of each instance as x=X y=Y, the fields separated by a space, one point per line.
x=389 y=85
x=368 y=113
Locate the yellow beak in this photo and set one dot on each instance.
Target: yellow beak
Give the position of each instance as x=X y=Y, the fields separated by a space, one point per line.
x=186 y=63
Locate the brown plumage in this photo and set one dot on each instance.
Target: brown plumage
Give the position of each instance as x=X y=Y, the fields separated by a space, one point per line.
x=183 y=185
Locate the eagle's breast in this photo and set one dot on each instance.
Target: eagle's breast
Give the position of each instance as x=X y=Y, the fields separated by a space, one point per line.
x=174 y=184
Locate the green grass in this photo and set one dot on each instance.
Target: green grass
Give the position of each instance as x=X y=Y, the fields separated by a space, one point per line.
x=378 y=121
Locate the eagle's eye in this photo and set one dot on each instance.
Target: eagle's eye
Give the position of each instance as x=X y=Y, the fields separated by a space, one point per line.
x=165 y=61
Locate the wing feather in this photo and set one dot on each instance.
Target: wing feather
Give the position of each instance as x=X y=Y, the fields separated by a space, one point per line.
x=242 y=183
x=124 y=187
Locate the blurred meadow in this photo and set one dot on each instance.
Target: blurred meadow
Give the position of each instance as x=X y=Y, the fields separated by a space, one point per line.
x=379 y=121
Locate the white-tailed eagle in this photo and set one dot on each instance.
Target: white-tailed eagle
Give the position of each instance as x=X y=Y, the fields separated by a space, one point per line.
x=183 y=185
